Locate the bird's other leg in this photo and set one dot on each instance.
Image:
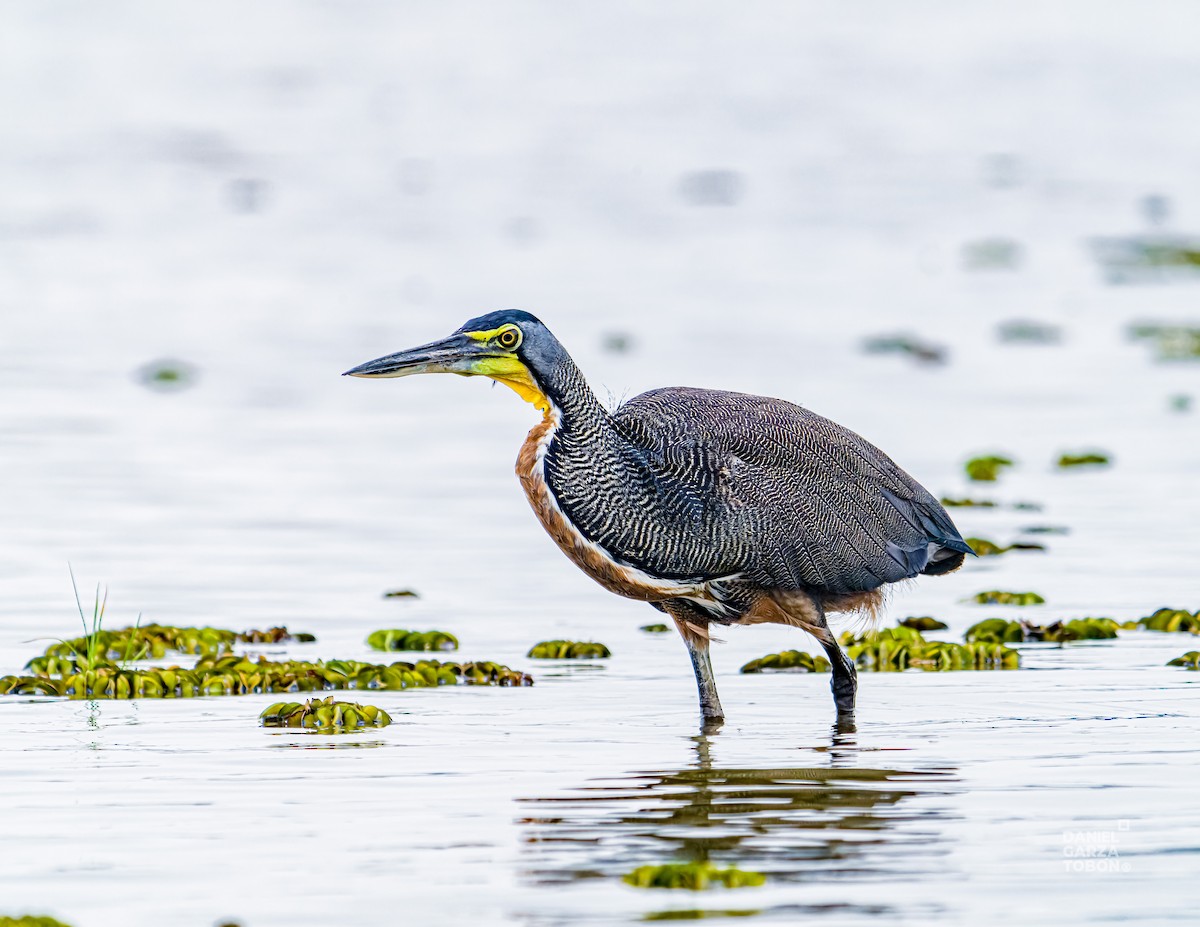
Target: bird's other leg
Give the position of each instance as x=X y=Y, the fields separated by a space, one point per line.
x=693 y=628
x=845 y=676
x=802 y=609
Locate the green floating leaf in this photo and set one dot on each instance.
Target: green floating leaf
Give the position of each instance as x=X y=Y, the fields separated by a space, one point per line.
x=324 y=715
x=968 y=503
x=1171 y=342
x=29 y=920
x=997 y=597
x=654 y=628
x=1091 y=459
x=1190 y=660
x=1172 y=619
x=999 y=630
x=901 y=648
x=569 y=650
x=986 y=469
x=986 y=548
x=924 y=623
x=398 y=639
x=692 y=876
x=400 y=594
x=908 y=345
x=789 y=661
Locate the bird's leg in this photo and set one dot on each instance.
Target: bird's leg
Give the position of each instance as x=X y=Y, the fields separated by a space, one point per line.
x=694 y=631
x=845 y=676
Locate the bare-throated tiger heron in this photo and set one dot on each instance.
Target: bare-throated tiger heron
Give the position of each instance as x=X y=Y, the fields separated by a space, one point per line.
x=714 y=507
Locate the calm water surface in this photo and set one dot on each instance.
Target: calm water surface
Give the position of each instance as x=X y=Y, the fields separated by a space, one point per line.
x=278 y=193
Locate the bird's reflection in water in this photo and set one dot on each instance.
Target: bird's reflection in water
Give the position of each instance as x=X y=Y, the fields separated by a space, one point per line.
x=799 y=824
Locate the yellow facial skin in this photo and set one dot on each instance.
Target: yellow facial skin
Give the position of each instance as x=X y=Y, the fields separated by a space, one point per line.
x=508 y=369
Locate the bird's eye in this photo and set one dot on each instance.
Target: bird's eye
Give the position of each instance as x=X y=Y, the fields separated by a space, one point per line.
x=509 y=338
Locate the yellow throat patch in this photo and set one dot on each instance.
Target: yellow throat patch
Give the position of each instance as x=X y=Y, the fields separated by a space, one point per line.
x=516 y=376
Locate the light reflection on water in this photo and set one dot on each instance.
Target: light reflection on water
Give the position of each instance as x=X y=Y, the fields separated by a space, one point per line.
x=838 y=821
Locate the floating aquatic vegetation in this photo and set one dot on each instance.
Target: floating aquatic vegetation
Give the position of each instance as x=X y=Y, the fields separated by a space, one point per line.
x=692 y=876
x=654 y=628
x=1027 y=331
x=1190 y=660
x=985 y=469
x=985 y=548
x=400 y=594
x=968 y=503
x=326 y=715
x=29 y=920
x=1000 y=630
x=154 y=641
x=568 y=650
x=1171 y=341
x=996 y=597
x=1146 y=258
x=279 y=635
x=924 y=623
x=992 y=254
x=789 y=661
x=898 y=649
x=1087 y=459
x=167 y=375
x=239 y=675
x=1180 y=402
x=398 y=639
x=908 y=345
x=1172 y=619
x=617 y=342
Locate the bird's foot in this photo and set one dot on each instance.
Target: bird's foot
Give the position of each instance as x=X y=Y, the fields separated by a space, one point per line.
x=845 y=692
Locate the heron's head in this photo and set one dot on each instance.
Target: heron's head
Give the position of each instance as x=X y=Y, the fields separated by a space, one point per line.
x=510 y=346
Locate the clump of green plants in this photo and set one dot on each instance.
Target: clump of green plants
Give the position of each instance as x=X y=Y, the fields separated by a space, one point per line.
x=398 y=639
x=924 y=623
x=992 y=254
x=400 y=594
x=654 y=628
x=1087 y=459
x=1172 y=619
x=1028 y=331
x=238 y=675
x=29 y=920
x=1000 y=630
x=569 y=650
x=985 y=548
x=279 y=635
x=1171 y=342
x=1190 y=660
x=693 y=876
x=898 y=649
x=987 y=468
x=906 y=345
x=789 y=661
x=965 y=503
x=997 y=597
x=167 y=374
x=325 y=715
x=155 y=641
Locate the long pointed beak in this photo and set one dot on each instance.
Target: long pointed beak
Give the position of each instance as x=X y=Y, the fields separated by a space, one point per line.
x=456 y=354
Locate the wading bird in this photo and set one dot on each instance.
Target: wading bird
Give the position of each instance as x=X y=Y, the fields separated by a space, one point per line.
x=714 y=507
